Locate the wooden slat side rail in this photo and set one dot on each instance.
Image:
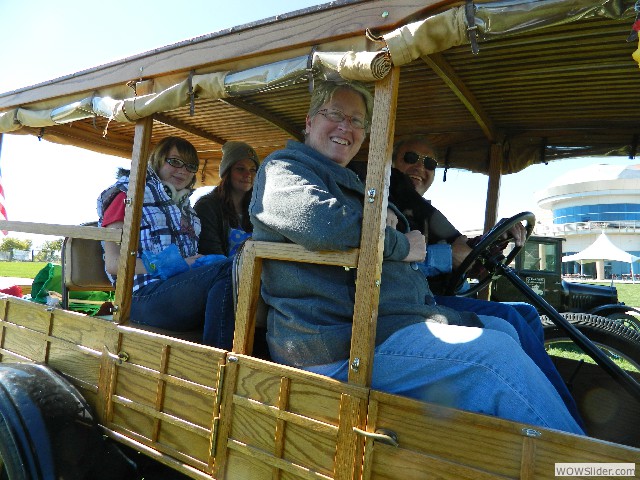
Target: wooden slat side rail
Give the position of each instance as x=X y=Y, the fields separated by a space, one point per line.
x=249 y=291
x=164 y=395
x=74 y=231
x=282 y=422
x=454 y=444
x=66 y=341
x=296 y=253
x=158 y=456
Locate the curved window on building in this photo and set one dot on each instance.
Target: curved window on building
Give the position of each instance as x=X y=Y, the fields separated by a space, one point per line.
x=615 y=212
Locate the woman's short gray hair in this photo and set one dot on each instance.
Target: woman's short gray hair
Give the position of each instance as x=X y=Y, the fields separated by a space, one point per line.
x=324 y=92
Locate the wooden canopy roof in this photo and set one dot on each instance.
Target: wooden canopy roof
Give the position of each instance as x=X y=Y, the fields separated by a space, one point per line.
x=567 y=87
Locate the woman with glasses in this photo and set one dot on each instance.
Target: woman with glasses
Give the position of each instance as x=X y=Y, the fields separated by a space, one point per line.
x=303 y=194
x=174 y=287
x=224 y=212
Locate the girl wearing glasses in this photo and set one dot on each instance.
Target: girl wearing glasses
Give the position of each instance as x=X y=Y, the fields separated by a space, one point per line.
x=224 y=212
x=169 y=269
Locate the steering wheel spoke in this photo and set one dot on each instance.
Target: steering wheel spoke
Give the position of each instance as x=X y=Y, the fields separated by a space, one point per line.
x=488 y=253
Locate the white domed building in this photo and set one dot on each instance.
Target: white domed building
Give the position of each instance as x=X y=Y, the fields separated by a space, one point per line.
x=589 y=201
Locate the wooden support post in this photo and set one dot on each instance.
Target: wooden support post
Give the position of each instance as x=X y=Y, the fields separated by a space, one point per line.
x=493 y=200
x=493 y=187
x=132 y=217
x=367 y=296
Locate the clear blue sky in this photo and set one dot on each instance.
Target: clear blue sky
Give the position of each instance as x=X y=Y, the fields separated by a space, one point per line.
x=52 y=39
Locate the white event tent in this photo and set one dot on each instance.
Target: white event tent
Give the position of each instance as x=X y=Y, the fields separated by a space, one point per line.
x=602 y=249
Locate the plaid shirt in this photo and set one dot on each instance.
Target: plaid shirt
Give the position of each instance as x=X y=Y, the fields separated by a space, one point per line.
x=163 y=221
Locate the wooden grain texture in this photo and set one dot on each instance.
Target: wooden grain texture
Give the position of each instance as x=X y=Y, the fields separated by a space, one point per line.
x=441 y=67
x=247 y=301
x=80 y=329
x=175 y=463
x=365 y=313
x=350 y=446
x=72 y=343
x=456 y=444
x=165 y=395
x=493 y=187
x=250 y=268
x=67 y=341
x=132 y=219
x=286 y=419
x=296 y=253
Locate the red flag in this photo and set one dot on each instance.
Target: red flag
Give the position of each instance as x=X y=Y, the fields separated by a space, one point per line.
x=3 y=210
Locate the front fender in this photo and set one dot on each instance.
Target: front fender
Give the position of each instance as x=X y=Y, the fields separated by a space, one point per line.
x=605 y=310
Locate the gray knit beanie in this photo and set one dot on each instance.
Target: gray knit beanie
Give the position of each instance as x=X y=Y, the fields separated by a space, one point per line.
x=233 y=152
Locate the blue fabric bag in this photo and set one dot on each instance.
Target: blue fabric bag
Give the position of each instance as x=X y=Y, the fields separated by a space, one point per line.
x=165 y=264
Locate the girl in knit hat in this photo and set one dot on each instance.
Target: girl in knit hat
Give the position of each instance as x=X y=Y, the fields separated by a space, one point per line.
x=224 y=212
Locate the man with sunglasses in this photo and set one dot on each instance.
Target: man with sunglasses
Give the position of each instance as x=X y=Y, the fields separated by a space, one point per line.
x=416 y=159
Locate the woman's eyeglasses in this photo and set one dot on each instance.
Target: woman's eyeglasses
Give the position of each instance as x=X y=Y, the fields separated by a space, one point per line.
x=336 y=116
x=430 y=163
x=177 y=163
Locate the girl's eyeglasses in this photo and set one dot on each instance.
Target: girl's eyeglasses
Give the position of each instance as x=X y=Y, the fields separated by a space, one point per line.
x=430 y=163
x=177 y=163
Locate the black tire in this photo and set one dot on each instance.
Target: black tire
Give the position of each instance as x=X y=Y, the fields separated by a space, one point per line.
x=627 y=320
x=606 y=333
x=11 y=458
x=47 y=430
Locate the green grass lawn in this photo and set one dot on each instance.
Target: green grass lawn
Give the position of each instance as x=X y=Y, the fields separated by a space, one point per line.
x=570 y=350
x=21 y=269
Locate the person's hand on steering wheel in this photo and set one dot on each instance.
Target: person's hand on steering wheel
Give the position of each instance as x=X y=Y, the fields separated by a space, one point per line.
x=488 y=247
x=459 y=251
x=518 y=234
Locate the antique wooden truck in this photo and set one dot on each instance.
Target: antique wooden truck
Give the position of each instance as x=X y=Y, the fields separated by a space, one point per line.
x=497 y=86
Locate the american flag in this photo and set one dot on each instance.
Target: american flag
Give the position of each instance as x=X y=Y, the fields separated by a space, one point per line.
x=3 y=210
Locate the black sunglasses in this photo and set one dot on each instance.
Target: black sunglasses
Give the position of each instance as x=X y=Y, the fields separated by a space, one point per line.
x=430 y=163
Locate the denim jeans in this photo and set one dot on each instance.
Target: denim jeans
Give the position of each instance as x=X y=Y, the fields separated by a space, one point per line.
x=531 y=316
x=526 y=321
x=199 y=298
x=474 y=369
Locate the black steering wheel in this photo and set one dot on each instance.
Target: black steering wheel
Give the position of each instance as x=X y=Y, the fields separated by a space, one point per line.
x=485 y=250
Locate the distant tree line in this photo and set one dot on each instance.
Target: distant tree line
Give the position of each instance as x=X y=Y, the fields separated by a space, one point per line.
x=50 y=250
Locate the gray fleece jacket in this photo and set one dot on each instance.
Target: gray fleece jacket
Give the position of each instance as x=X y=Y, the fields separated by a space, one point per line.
x=300 y=196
